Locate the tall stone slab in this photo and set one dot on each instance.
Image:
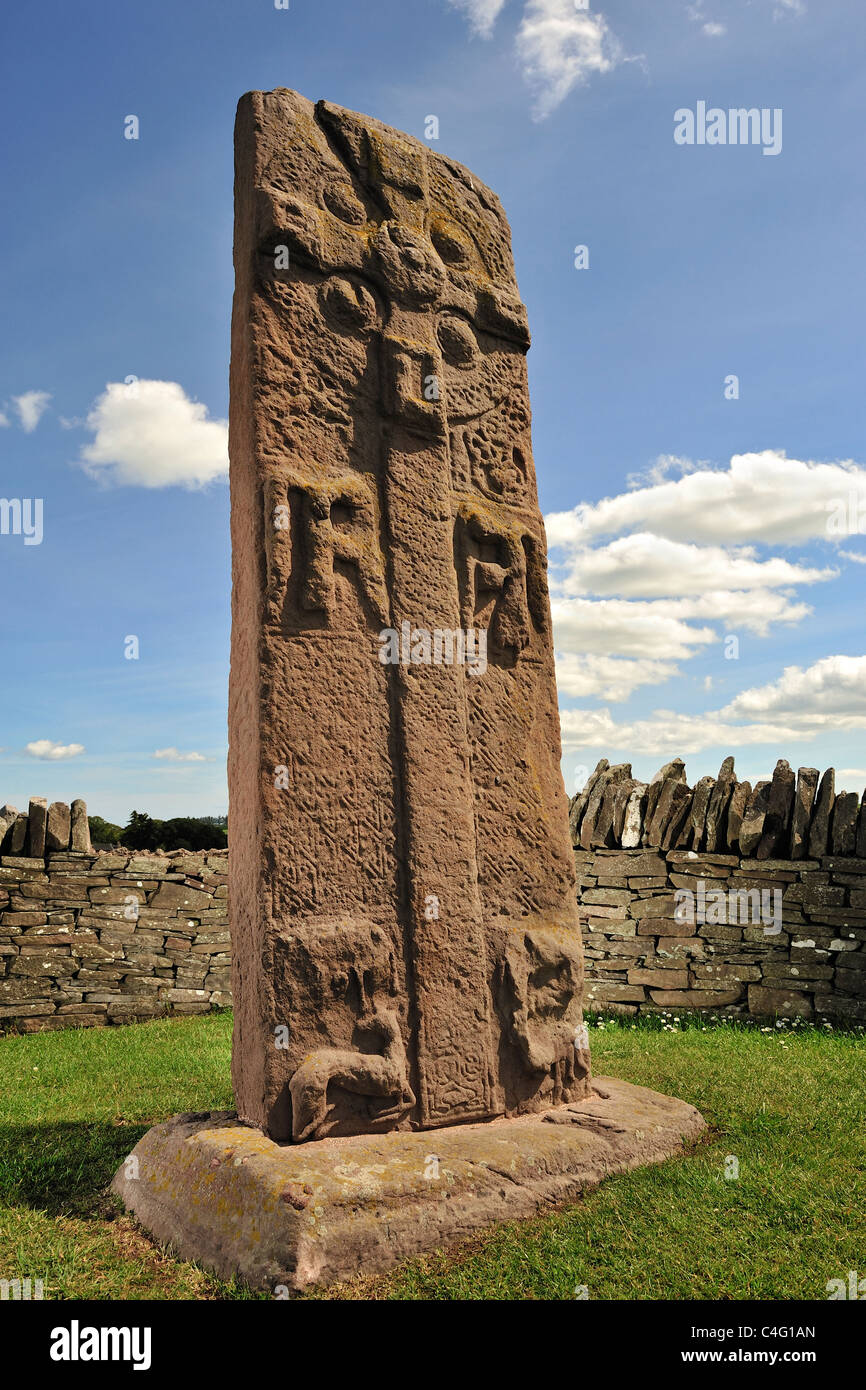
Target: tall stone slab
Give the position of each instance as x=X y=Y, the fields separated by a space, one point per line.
x=405 y=935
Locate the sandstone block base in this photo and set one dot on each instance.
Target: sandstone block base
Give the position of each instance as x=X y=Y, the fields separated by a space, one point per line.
x=223 y=1194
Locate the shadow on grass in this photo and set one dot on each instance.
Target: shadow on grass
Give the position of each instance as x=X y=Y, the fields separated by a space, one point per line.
x=63 y=1169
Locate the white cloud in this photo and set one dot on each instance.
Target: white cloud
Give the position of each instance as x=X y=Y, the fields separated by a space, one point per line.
x=764 y=497
x=801 y=704
x=4 y=420
x=615 y=627
x=683 y=576
x=47 y=749
x=31 y=406
x=609 y=677
x=852 y=555
x=560 y=46
x=786 y=7
x=708 y=26
x=482 y=14
x=173 y=755
x=664 y=732
x=150 y=434
x=831 y=693
x=654 y=566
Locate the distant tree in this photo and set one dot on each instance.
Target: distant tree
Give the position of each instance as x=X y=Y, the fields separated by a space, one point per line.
x=103 y=832
x=192 y=832
x=182 y=832
x=141 y=831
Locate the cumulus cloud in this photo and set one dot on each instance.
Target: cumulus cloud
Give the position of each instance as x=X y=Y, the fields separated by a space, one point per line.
x=150 y=434
x=50 y=751
x=560 y=46
x=31 y=406
x=665 y=732
x=803 y=703
x=786 y=7
x=173 y=755
x=609 y=677
x=482 y=14
x=615 y=627
x=712 y=29
x=656 y=575
x=646 y=565
x=4 y=420
x=831 y=693
x=765 y=497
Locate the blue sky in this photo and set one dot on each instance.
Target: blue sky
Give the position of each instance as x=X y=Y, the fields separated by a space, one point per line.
x=704 y=262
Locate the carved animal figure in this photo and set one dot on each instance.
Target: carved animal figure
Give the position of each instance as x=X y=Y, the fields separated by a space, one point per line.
x=363 y=1073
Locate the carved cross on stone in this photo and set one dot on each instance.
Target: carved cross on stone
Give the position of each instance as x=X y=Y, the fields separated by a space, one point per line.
x=379 y=399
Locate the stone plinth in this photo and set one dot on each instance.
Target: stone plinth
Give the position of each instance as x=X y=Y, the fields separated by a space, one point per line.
x=286 y=1217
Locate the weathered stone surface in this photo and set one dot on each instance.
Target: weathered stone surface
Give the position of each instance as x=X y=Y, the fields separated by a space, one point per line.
x=17 y=836
x=579 y=803
x=659 y=979
x=633 y=819
x=843 y=834
x=618 y=788
x=693 y=831
x=804 y=800
x=739 y=801
x=37 y=817
x=8 y=816
x=717 y=808
x=332 y=1209
x=401 y=872
x=595 y=832
x=819 y=831
x=681 y=802
x=80 y=829
x=660 y=805
x=752 y=828
x=787 y=1002
x=178 y=897
x=623 y=796
x=777 y=821
x=58 y=827
x=643 y=865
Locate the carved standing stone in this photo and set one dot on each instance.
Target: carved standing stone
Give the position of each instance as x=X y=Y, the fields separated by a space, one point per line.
x=405 y=933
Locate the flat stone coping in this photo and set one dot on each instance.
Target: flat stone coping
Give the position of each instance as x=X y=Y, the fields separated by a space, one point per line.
x=286 y=1217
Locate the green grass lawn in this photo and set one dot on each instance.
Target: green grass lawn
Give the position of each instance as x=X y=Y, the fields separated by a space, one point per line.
x=788 y=1105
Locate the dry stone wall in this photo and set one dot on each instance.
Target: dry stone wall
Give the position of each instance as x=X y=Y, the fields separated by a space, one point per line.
x=89 y=939
x=740 y=901
x=94 y=938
